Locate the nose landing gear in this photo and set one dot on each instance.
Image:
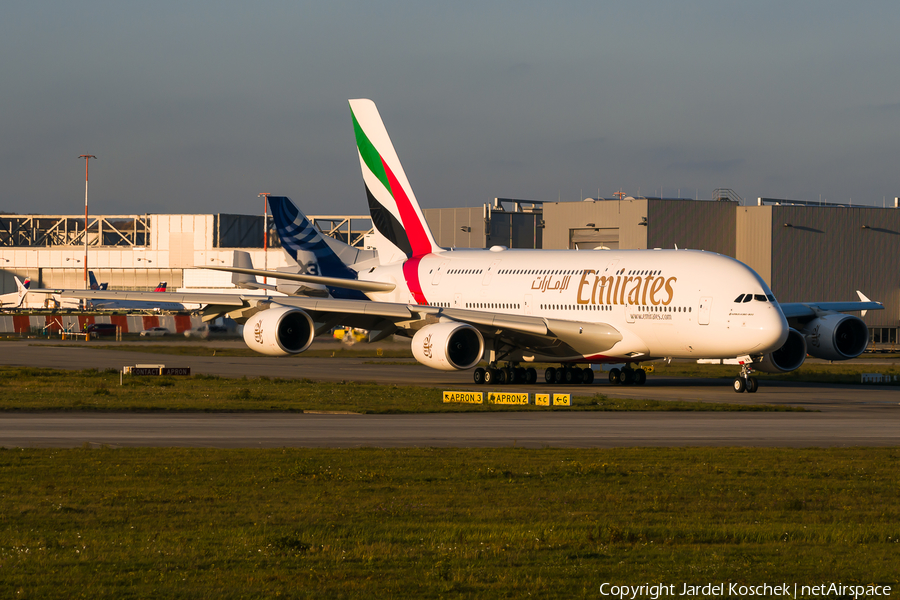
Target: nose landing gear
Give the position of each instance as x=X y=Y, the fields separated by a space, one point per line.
x=745 y=382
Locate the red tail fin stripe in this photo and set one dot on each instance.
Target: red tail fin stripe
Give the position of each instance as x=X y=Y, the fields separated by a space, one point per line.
x=411 y=275
x=418 y=238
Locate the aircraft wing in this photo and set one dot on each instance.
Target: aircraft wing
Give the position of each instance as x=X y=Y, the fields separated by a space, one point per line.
x=150 y=297
x=547 y=337
x=793 y=310
x=550 y=337
x=339 y=282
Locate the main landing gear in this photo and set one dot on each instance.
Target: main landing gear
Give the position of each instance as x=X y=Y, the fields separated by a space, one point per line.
x=496 y=375
x=569 y=375
x=628 y=376
x=501 y=375
x=745 y=382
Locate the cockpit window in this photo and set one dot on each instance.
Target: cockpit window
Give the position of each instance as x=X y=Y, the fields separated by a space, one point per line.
x=760 y=297
x=739 y=298
x=771 y=298
x=748 y=297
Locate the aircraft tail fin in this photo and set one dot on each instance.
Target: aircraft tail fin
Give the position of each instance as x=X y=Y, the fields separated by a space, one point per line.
x=310 y=251
x=161 y=287
x=94 y=284
x=401 y=231
x=300 y=238
x=22 y=288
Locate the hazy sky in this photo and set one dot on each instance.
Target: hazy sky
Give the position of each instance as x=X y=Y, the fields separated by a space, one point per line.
x=197 y=107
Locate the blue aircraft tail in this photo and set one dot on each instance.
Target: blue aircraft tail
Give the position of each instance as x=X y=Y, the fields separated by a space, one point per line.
x=93 y=280
x=299 y=236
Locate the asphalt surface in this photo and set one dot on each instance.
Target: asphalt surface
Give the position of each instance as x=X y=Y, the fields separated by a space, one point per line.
x=844 y=415
x=531 y=430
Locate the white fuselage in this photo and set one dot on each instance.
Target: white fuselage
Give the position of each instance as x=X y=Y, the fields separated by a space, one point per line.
x=666 y=303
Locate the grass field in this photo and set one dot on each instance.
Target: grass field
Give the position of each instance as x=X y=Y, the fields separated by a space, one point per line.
x=48 y=389
x=428 y=523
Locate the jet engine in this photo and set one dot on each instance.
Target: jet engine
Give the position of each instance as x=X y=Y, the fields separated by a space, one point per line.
x=836 y=336
x=448 y=346
x=279 y=331
x=787 y=358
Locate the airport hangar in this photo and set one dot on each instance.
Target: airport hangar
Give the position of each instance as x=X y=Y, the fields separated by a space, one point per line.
x=804 y=251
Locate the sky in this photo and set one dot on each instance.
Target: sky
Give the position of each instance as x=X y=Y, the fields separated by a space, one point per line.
x=197 y=107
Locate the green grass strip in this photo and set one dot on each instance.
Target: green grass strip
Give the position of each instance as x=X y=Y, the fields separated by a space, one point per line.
x=439 y=523
x=28 y=388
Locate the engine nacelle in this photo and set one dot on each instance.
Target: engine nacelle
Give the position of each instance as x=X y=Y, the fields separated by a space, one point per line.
x=279 y=331
x=787 y=358
x=448 y=346
x=836 y=336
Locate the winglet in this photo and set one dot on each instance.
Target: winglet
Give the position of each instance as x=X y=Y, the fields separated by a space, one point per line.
x=864 y=299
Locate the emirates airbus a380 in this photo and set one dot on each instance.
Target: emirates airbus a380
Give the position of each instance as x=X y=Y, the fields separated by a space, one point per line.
x=515 y=307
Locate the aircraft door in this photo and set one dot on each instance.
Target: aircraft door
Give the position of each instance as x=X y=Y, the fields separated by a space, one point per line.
x=703 y=313
x=438 y=272
x=527 y=304
x=489 y=272
x=457 y=300
x=629 y=313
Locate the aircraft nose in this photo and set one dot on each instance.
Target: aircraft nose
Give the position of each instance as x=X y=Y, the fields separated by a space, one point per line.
x=773 y=330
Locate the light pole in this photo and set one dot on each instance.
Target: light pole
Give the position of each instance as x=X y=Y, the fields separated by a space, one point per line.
x=87 y=158
x=265 y=196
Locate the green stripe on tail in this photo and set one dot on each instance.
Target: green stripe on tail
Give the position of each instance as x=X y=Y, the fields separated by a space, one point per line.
x=369 y=154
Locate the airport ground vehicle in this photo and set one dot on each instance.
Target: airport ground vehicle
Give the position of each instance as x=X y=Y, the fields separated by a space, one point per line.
x=101 y=329
x=155 y=332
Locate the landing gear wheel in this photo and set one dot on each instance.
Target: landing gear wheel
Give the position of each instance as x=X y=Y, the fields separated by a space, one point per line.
x=478 y=376
x=491 y=376
x=739 y=384
x=752 y=385
x=521 y=375
x=614 y=376
x=558 y=377
x=573 y=376
x=587 y=376
x=626 y=376
x=530 y=376
x=550 y=375
x=640 y=377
